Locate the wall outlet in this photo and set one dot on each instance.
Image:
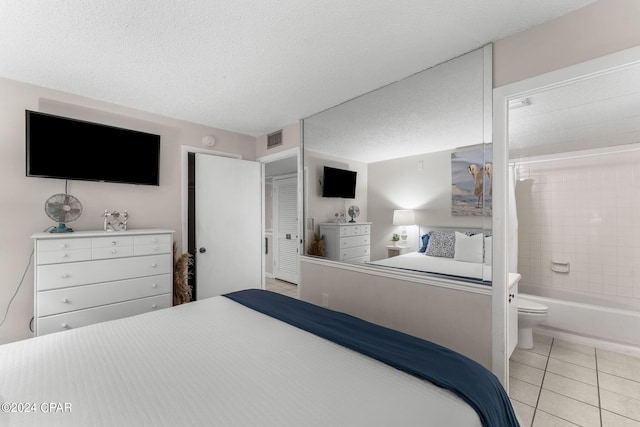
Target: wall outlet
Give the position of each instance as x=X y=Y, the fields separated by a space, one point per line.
x=325 y=300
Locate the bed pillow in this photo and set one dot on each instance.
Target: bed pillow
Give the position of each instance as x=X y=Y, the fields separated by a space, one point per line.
x=469 y=248
x=425 y=242
x=487 y=250
x=441 y=244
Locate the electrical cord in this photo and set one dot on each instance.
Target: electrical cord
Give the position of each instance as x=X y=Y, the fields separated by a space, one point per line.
x=17 y=290
x=6 y=313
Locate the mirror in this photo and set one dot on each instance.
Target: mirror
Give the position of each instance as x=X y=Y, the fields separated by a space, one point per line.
x=415 y=146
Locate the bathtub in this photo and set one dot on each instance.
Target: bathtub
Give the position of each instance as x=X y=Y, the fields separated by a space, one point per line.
x=606 y=318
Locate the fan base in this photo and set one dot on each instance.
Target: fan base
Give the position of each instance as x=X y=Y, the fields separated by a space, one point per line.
x=61 y=228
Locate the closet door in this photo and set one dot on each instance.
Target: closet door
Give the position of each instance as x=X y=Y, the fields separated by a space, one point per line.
x=228 y=195
x=286 y=239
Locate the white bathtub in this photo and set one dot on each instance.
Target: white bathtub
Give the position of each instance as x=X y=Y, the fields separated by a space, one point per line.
x=607 y=318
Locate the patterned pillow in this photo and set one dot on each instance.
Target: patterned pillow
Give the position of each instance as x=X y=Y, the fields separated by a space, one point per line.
x=441 y=244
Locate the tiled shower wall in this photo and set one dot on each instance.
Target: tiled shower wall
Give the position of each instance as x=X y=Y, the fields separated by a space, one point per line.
x=585 y=212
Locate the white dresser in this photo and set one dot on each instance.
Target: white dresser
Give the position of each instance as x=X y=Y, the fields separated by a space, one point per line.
x=87 y=277
x=347 y=241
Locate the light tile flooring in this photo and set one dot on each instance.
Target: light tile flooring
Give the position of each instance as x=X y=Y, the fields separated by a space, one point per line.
x=282 y=287
x=559 y=383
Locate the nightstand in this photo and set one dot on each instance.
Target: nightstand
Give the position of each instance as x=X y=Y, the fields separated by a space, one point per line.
x=396 y=250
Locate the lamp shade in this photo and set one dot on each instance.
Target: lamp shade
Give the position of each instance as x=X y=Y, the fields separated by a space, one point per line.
x=404 y=217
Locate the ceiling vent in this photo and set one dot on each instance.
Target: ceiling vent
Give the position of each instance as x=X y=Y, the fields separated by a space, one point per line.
x=274 y=139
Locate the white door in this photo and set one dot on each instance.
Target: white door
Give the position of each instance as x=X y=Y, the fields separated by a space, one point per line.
x=286 y=239
x=228 y=199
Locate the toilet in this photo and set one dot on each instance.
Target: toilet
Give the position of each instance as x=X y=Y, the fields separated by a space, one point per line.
x=530 y=315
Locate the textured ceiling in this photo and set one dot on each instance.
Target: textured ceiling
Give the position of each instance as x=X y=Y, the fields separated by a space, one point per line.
x=246 y=66
x=596 y=112
x=435 y=110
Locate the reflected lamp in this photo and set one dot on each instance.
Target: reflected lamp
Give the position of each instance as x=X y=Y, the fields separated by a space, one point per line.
x=404 y=217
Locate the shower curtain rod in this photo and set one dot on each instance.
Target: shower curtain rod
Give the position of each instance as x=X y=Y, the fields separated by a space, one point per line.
x=576 y=156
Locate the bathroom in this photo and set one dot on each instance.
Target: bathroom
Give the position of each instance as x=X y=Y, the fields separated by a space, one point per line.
x=574 y=211
x=574 y=160
x=579 y=241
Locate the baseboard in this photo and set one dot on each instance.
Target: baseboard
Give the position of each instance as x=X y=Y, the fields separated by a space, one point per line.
x=590 y=341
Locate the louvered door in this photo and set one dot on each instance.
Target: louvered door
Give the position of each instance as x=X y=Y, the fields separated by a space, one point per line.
x=286 y=229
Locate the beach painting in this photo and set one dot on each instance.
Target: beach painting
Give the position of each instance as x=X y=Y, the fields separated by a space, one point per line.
x=471 y=182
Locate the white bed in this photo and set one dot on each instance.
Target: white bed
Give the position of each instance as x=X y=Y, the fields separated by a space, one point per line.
x=417 y=261
x=211 y=362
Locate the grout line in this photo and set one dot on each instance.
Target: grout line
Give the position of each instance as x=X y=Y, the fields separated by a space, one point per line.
x=544 y=374
x=598 y=385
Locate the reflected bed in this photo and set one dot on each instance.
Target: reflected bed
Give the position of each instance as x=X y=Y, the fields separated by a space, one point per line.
x=458 y=253
x=417 y=261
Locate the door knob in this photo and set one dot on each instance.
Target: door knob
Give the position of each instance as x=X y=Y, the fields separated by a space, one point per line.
x=202 y=250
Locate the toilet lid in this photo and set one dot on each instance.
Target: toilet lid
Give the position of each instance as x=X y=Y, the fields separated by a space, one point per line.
x=529 y=306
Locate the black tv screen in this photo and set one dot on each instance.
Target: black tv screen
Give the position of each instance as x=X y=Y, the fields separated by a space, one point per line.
x=339 y=183
x=60 y=147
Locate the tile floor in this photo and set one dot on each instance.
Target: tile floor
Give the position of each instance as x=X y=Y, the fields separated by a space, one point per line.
x=282 y=287
x=559 y=383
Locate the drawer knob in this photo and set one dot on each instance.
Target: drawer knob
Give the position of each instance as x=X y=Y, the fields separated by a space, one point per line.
x=63 y=255
x=155 y=240
x=113 y=251
x=64 y=275
x=113 y=243
x=154 y=306
x=64 y=300
x=155 y=248
x=64 y=326
x=63 y=245
x=154 y=285
x=154 y=265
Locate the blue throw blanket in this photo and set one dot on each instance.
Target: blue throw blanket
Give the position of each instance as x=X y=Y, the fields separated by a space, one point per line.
x=443 y=367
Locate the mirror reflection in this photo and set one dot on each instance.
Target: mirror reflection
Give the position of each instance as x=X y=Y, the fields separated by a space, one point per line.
x=401 y=177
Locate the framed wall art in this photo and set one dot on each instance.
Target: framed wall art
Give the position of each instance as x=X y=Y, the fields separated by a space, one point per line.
x=471 y=181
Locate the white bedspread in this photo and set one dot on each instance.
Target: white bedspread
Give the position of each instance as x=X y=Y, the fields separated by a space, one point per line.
x=212 y=363
x=420 y=262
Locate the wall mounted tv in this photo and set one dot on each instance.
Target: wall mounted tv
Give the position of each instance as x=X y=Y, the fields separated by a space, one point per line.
x=339 y=183
x=60 y=147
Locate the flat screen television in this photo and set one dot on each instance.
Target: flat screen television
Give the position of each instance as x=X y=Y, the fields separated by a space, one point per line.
x=339 y=183
x=60 y=147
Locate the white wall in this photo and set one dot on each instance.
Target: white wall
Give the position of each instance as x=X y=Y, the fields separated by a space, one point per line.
x=401 y=184
x=596 y=30
x=582 y=211
x=23 y=210
x=457 y=319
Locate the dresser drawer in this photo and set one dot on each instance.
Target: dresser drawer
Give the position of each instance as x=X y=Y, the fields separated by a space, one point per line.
x=46 y=245
x=161 y=248
x=354 y=230
x=349 y=242
x=152 y=239
x=76 y=319
x=112 y=241
x=56 y=276
x=80 y=297
x=111 y=252
x=64 y=255
x=357 y=252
